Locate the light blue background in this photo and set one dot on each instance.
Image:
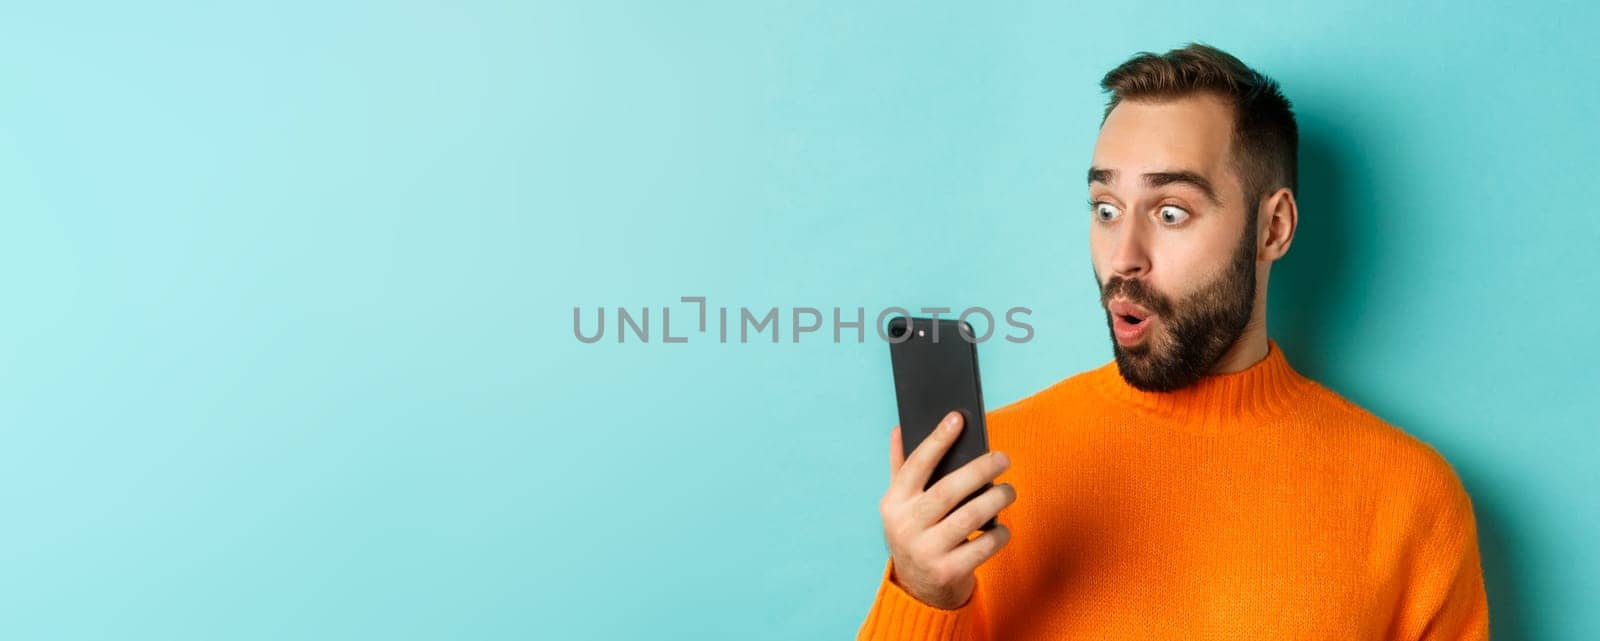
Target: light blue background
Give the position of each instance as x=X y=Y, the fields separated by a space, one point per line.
x=288 y=292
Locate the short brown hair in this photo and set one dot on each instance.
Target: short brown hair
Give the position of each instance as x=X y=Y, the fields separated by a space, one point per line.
x=1265 y=138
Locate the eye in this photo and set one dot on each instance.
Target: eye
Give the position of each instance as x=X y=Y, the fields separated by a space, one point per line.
x=1103 y=211
x=1171 y=215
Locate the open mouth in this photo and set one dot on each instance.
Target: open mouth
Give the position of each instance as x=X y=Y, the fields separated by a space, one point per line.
x=1130 y=322
x=1128 y=312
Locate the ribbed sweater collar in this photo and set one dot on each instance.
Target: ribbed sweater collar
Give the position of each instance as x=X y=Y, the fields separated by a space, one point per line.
x=1217 y=403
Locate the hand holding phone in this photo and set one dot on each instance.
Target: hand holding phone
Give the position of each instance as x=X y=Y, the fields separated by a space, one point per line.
x=933 y=560
x=936 y=501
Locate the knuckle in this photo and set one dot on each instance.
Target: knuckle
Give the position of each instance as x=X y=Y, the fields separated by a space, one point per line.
x=898 y=540
x=971 y=519
x=929 y=509
x=897 y=545
x=988 y=505
x=953 y=521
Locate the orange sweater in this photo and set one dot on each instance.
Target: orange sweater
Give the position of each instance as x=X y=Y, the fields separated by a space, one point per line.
x=1253 y=505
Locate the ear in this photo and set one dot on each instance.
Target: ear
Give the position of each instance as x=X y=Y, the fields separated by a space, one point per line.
x=1279 y=217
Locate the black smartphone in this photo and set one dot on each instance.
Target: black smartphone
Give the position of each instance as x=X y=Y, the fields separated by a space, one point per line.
x=936 y=371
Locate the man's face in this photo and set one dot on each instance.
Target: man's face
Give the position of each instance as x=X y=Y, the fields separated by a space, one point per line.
x=1176 y=267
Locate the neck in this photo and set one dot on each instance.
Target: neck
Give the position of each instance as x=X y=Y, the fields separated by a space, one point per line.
x=1248 y=350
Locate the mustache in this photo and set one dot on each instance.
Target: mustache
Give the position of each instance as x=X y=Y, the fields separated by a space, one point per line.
x=1138 y=292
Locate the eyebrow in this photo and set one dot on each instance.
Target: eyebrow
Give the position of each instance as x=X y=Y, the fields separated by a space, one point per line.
x=1161 y=178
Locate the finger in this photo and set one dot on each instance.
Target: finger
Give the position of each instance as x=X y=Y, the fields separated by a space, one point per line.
x=969 y=517
x=968 y=556
x=897 y=450
x=913 y=476
x=957 y=485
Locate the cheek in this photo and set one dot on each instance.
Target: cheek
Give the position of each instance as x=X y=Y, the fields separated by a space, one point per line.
x=1179 y=270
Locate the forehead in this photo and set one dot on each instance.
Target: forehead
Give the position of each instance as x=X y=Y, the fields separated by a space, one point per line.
x=1189 y=133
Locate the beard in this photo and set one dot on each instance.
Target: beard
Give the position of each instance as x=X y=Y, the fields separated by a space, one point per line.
x=1195 y=332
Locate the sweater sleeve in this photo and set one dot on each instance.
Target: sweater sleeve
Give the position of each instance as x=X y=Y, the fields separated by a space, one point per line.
x=1450 y=603
x=898 y=616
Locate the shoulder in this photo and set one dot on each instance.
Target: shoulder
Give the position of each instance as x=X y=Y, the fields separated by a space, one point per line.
x=1414 y=495
x=1409 y=465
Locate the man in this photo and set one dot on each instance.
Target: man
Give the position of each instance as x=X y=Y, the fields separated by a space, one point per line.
x=1198 y=487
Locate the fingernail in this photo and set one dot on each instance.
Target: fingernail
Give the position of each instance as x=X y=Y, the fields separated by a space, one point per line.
x=950 y=422
x=1002 y=459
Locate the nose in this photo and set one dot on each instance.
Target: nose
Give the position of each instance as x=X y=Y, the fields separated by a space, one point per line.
x=1129 y=258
